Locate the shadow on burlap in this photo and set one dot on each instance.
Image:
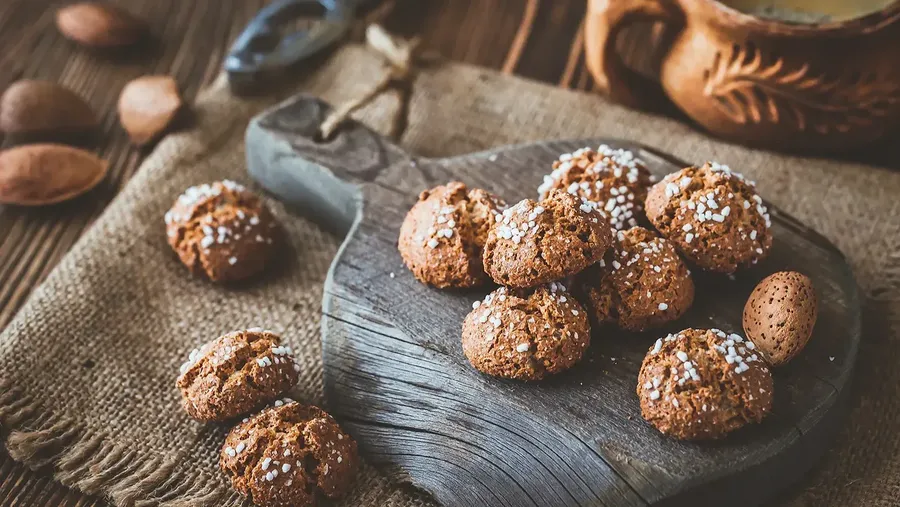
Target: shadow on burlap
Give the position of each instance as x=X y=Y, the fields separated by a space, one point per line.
x=87 y=368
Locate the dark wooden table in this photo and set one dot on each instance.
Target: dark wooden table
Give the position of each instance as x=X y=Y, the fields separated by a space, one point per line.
x=539 y=39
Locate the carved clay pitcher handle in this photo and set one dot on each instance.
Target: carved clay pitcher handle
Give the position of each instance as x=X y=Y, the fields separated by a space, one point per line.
x=605 y=20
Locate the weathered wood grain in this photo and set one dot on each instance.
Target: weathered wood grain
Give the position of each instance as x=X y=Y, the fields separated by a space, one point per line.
x=396 y=375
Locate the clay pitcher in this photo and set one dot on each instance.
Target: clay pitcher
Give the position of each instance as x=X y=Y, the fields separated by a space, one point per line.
x=797 y=87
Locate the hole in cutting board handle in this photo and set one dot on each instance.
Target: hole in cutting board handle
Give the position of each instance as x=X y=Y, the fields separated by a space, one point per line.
x=321 y=178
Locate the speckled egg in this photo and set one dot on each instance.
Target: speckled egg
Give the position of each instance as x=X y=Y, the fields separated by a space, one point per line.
x=780 y=315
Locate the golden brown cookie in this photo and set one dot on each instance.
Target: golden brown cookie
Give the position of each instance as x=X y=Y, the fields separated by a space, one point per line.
x=222 y=230
x=235 y=374
x=613 y=178
x=713 y=215
x=640 y=284
x=526 y=334
x=703 y=384
x=780 y=315
x=540 y=242
x=443 y=235
x=287 y=455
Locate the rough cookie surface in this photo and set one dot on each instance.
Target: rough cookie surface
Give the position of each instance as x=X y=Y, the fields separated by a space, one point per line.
x=443 y=235
x=235 y=374
x=526 y=335
x=703 y=384
x=536 y=243
x=287 y=454
x=613 y=178
x=713 y=215
x=222 y=230
x=641 y=283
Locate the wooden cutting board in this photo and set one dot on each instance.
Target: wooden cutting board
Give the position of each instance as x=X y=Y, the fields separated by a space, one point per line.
x=396 y=377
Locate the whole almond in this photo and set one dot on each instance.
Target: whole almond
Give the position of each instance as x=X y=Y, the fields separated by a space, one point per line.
x=30 y=107
x=147 y=107
x=780 y=315
x=99 y=25
x=38 y=174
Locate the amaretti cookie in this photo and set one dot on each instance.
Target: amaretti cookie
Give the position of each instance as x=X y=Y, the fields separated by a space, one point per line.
x=713 y=215
x=287 y=455
x=443 y=235
x=526 y=334
x=235 y=374
x=640 y=284
x=613 y=178
x=780 y=314
x=539 y=242
x=222 y=230
x=703 y=384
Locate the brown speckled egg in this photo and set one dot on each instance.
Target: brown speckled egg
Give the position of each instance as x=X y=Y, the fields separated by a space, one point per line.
x=780 y=315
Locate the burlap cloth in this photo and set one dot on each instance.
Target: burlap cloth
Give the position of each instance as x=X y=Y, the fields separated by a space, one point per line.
x=88 y=365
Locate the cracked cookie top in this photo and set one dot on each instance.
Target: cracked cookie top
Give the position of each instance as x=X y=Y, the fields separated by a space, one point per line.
x=703 y=384
x=236 y=374
x=222 y=231
x=640 y=284
x=539 y=242
x=443 y=235
x=288 y=454
x=713 y=215
x=526 y=335
x=613 y=178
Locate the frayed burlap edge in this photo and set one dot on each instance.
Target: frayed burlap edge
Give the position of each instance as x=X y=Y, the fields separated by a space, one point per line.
x=94 y=463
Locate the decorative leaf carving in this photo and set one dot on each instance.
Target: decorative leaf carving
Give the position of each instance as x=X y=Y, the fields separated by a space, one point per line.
x=750 y=88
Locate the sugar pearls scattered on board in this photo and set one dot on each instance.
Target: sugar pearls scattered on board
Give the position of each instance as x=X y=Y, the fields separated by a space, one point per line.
x=780 y=315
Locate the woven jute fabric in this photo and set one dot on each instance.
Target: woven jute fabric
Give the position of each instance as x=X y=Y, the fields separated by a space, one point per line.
x=87 y=368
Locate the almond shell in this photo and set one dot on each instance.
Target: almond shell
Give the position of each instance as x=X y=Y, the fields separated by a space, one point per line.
x=41 y=174
x=99 y=25
x=780 y=314
x=147 y=106
x=31 y=106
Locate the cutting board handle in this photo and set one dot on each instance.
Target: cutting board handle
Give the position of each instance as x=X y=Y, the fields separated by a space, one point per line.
x=321 y=178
